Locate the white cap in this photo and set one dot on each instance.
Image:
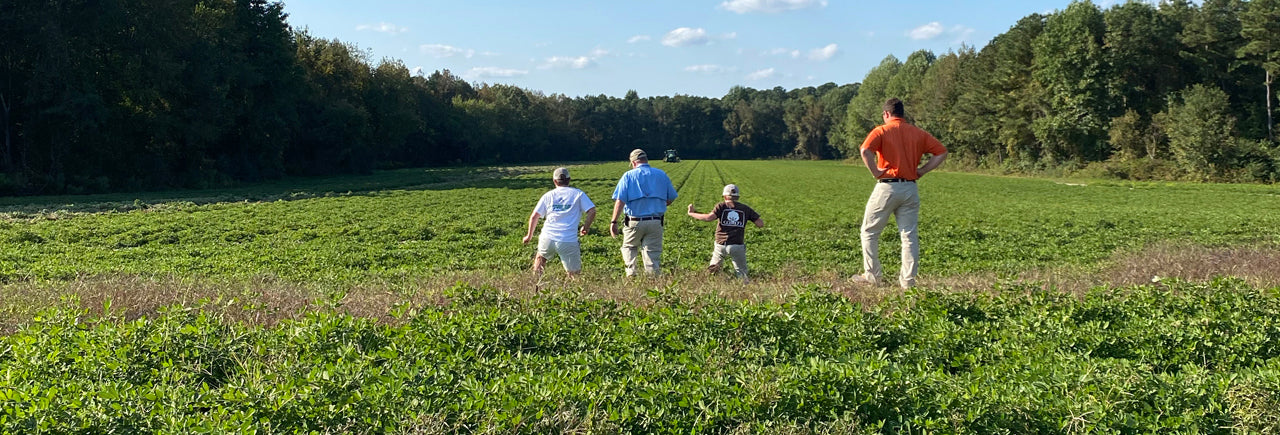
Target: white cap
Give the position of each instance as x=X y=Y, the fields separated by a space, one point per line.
x=730 y=190
x=560 y=174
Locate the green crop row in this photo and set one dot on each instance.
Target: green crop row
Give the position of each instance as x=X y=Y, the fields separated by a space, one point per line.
x=1165 y=358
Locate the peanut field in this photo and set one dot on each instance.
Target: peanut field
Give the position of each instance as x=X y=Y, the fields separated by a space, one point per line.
x=1019 y=324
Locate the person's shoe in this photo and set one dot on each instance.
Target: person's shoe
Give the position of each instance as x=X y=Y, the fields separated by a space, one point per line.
x=863 y=279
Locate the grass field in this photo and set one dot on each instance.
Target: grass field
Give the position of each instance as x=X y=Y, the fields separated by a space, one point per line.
x=402 y=303
x=428 y=222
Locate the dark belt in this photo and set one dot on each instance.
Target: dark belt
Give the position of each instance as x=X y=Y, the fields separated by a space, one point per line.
x=646 y=218
x=896 y=180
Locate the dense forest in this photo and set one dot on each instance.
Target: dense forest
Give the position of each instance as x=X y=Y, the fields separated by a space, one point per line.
x=140 y=94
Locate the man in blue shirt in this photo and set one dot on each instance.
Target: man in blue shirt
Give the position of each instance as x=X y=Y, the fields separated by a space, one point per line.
x=643 y=194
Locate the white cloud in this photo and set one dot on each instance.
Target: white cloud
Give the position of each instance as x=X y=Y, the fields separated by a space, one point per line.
x=935 y=29
x=927 y=31
x=961 y=33
x=824 y=53
x=598 y=53
x=685 y=36
x=417 y=71
x=638 y=38
x=382 y=27
x=489 y=71
x=441 y=50
x=762 y=74
x=771 y=6
x=709 y=69
x=561 y=62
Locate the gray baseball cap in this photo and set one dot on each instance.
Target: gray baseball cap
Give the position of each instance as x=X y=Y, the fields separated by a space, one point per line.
x=638 y=154
x=560 y=174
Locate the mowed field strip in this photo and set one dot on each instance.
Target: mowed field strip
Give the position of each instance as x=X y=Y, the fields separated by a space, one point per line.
x=414 y=223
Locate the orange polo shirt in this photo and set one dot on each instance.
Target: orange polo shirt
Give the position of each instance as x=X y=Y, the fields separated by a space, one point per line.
x=899 y=147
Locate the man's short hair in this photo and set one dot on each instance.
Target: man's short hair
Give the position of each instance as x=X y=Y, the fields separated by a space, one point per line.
x=894 y=107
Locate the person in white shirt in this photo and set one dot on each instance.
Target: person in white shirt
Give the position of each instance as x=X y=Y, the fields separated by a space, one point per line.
x=562 y=207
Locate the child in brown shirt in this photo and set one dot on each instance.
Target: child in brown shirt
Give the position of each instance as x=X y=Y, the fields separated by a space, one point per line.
x=731 y=219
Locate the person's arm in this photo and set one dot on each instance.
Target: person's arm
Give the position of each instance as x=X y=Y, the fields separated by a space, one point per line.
x=759 y=222
x=869 y=159
x=613 y=221
x=533 y=223
x=705 y=217
x=586 y=223
x=933 y=163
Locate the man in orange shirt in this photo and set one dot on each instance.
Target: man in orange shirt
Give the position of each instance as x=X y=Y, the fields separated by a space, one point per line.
x=892 y=153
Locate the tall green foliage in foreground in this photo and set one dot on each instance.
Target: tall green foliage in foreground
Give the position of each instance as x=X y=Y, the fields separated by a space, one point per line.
x=1169 y=358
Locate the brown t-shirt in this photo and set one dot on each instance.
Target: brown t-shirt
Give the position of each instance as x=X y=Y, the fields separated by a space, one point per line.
x=731 y=222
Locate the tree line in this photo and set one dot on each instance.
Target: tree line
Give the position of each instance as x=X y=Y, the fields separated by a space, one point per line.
x=1135 y=91
x=140 y=94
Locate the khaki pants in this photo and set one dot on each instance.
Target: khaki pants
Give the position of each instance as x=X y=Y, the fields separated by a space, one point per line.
x=902 y=200
x=737 y=254
x=642 y=237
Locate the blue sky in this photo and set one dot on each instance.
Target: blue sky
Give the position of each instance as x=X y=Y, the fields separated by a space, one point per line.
x=656 y=47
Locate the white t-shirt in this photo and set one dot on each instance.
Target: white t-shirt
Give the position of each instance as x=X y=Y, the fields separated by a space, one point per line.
x=563 y=208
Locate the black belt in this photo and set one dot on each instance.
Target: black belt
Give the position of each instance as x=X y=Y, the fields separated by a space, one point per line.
x=646 y=218
x=896 y=180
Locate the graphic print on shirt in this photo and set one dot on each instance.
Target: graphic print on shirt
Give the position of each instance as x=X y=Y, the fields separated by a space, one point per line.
x=732 y=218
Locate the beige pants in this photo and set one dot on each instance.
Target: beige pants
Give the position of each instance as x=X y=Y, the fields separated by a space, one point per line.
x=643 y=237
x=902 y=200
x=737 y=254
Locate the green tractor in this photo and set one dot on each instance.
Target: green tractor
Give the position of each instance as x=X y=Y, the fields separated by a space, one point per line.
x=671 y=157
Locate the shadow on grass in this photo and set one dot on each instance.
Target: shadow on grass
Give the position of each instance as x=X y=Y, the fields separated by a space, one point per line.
x=288 y=189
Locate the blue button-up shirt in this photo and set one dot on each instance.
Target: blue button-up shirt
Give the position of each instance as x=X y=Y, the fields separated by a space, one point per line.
x=644 y=191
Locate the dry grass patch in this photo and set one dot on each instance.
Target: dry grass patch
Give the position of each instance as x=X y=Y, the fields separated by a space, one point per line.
x=267 y=301
x=1259 y=266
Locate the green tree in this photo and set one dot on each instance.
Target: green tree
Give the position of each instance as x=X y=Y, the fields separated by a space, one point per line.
x=863 y=112
x=807 y=121
x=1199 y=125
x=1139 y=45
x=334 y=132
x=1069 y=63
x=906 y=83
x=393 y=112
x=1212 y=40
x=1260 y=27
x=937 y=103
x=1133 y=138
x=836 y=104
x=755 y=122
